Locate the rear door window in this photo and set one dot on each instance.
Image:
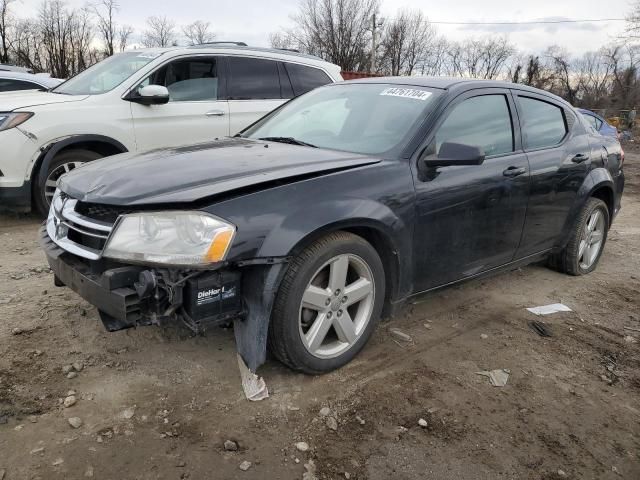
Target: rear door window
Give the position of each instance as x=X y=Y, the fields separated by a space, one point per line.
x=304 y=78
x=253 y=79
x=483 y=121
x=543 y=123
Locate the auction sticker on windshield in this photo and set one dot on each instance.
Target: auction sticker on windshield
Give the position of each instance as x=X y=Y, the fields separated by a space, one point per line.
x=406 y=93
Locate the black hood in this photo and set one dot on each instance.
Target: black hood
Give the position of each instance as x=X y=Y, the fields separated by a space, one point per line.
x=191 y=173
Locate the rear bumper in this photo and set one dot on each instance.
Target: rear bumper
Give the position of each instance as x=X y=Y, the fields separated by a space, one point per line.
x=16 y=198
x=111 y=291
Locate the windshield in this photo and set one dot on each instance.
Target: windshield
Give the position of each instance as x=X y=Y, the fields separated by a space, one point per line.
x=106 y=75
x=359 y=118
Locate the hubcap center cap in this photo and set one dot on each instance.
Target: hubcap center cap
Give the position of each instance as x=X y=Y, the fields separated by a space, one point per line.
x=335 y=305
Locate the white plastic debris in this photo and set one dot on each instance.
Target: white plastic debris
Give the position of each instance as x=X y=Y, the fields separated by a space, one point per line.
x=254 y=387
x=548 y=309
x=498 y=378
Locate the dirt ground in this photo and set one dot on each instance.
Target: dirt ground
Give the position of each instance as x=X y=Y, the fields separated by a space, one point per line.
x=160 y=404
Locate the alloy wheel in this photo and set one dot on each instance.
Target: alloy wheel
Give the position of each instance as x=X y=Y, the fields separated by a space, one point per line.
x=54 y=175
x=336 y=306
x=592 y=239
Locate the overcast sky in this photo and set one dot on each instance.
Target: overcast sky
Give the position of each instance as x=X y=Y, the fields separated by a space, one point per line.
x=252 y=20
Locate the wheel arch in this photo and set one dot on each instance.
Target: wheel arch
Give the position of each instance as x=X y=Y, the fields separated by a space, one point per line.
x=373 y=232
x=598 y=184
x=96 y=143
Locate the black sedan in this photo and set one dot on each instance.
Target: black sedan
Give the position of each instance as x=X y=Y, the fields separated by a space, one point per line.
x=333 y=210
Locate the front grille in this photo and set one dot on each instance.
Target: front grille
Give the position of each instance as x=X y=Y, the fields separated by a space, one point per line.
x=80 y=228
x=103 y=213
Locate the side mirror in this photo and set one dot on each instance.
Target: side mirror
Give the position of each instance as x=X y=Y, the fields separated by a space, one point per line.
x=150 y=95
x=452 y=154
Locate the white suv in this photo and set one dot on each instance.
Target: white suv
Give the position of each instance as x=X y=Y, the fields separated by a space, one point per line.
x=141 y=100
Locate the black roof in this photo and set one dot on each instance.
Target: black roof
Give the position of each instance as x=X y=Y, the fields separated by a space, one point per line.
x=447 y=83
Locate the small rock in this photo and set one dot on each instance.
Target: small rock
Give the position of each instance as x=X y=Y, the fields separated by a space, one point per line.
x=310 y=471
x=70 y=401
x=57 y=462
x=400 y=335
x=32 y=419
x=562 y=473
x=67 y=368
x=37 y=451
x=244 y=466
x=423 y=423
x=630 y=339
x=325 y=411
x=89 y=471
x=332 y=423
x=17 y=428
x=302 y=446
x=129 y=413
x=230 y=446
x=71 y=375
x=71 y=392
x=75 y=422
x=347 y=475
x=297 y=460
x=484 y=336
x=78 y=366
x=360 y=420
x=181 y=464
x=3 y=472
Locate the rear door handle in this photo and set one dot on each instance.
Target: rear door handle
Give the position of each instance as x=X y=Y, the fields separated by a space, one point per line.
x=579 y=158
x=215 y=113
x=514 y=171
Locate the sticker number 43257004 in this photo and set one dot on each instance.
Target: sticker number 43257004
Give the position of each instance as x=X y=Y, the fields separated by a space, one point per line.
x=406 y=93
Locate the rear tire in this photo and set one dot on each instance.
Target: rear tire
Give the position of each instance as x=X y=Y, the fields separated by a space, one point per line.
x=318 y=325
x=587 y=240
x=61 y=164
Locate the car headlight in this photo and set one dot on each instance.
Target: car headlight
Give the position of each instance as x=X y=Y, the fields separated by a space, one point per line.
x=174 y=238
x=11 y=120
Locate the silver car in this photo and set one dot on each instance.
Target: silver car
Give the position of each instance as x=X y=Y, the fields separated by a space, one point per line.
x=12 y=81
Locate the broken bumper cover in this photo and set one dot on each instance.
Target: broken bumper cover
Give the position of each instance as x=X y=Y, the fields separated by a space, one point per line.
x=111 y=291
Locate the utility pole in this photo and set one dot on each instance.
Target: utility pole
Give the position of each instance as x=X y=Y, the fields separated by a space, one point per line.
x=373 y=44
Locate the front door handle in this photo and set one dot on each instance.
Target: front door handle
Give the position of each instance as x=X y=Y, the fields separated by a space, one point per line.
x=579 y=158
x=215 y=113
x=514 y=171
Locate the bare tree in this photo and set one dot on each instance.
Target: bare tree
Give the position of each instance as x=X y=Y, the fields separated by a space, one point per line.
x=161 y=32
x=105 y=12
x=198 y=32
x=336 y=30
x=479 y=57
x=5 y=25
x=283 y=41
x=564 y=81
x=124 y=33
x=407 y=39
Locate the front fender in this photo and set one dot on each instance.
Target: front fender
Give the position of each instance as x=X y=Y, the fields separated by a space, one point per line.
x=50 y=150
x=596 y=179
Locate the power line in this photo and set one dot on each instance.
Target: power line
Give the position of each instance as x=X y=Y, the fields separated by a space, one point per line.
x=533 y=22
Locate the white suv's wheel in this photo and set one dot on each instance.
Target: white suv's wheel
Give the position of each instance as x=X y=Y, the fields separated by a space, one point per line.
x=328 y=304
x=61 y=164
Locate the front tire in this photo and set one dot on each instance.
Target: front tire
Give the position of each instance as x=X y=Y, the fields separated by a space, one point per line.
x=61 y=164
x=328 y=304
x=588 y=237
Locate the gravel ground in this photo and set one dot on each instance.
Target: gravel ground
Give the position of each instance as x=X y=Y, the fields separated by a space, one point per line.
x=160 y=404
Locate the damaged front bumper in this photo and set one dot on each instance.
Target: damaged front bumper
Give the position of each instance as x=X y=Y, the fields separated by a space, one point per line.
x=128 y=296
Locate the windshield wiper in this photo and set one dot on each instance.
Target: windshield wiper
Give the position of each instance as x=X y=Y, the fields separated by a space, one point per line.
x=289 y=140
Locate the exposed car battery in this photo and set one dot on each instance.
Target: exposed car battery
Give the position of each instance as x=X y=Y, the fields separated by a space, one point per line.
x=213 y=296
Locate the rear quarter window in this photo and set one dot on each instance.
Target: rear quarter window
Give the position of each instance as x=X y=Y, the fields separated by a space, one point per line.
x=304 y=78
x=543 y=123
